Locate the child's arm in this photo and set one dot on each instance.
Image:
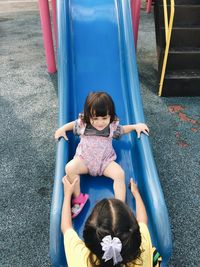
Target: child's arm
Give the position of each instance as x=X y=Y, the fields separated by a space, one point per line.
x=139 y=127
x=141 y=214
x=66 y=218
x=61 y=132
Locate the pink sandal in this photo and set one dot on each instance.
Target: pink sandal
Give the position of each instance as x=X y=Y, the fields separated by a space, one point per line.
x=78 y=203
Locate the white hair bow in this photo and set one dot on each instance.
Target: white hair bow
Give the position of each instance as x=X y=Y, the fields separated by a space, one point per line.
x=112 y=248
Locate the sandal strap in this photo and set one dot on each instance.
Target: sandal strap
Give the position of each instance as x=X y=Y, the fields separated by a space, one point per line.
x=76 y=209
x=80 y=199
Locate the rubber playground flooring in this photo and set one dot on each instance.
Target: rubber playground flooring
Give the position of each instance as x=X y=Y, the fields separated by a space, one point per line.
x=28 y=110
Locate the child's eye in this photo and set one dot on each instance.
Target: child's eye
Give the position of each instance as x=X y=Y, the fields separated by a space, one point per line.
x=107 y=117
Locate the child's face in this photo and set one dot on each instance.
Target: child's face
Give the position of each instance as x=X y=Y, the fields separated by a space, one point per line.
x=100 y=123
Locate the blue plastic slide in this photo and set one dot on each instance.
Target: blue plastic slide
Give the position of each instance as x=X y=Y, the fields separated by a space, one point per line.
x=96 y=52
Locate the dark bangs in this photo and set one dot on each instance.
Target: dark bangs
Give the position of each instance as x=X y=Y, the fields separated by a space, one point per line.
x=99 y=109
x=99 y=104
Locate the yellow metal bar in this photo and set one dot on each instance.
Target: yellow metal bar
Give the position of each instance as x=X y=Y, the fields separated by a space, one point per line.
x=165 y=18
x=172 y=11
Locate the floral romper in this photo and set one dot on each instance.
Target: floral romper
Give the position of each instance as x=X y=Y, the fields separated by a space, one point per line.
x=95 y=147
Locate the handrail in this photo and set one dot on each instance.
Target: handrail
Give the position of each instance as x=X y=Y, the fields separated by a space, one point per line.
x=168 y=32
x=166 y=18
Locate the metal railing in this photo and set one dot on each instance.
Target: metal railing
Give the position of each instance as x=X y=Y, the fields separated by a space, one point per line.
x=168 y=32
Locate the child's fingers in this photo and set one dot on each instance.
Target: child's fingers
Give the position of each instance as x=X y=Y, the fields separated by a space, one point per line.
x=131 y=183
x=67 y=183
x=58 y=135
x=147 y=129
x=146 y=132
x=65 y=137
x=138 y=132
x=65 y=180
x=74 y=182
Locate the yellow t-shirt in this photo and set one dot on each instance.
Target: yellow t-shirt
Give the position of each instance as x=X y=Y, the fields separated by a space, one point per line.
x=77 y=253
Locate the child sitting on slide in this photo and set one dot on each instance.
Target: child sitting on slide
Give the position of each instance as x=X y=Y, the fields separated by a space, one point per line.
x=97 y=126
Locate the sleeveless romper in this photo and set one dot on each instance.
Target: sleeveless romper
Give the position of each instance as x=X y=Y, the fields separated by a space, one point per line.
x=96 y=149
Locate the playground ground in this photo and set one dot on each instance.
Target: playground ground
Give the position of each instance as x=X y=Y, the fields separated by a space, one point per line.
x=28 y=112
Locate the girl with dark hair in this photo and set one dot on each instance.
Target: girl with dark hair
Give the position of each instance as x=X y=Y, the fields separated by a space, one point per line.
x=95 y=155
x=113 y=236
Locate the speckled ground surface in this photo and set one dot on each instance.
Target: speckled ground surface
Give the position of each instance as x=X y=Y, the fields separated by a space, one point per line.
x=28 y=106
x=28 y=112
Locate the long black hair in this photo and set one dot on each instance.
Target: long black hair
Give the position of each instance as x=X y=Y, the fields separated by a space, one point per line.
x=99 y=104
x=112 y=217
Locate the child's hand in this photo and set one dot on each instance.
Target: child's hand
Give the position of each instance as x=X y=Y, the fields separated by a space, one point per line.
x=60 y=133
x=133 y=187
x=68 y=187
x=141 y=128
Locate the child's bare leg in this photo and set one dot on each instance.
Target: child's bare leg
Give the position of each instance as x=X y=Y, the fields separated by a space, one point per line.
x=115 y=172
x=73 y=169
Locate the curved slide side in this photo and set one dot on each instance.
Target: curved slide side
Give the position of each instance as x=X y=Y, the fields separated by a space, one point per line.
x=96 y=52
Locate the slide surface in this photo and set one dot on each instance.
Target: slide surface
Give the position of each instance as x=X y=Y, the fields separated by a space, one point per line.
x=96 y=53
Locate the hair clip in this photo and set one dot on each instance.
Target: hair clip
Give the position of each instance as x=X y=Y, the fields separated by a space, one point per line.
x=112 y=248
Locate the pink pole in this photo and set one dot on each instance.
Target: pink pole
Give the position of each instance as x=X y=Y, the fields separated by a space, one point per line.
x=135 y=10
x=149 y=3
x=47 y=35
x=54 y=17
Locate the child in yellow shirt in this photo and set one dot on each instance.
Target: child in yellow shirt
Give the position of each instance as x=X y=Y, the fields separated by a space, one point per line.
x=113 y=236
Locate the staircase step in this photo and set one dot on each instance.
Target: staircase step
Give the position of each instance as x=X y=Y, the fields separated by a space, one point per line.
x=183 y=74
x=185 y=15
x=186 y=49
x=181 y=59
x=176 y=88
x=182 y=83
x=182 y=37
x=179 y=2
